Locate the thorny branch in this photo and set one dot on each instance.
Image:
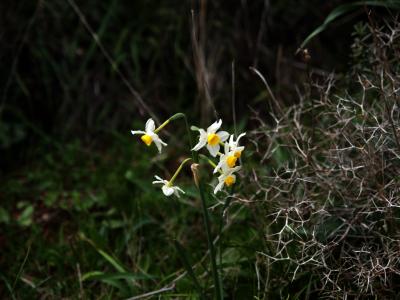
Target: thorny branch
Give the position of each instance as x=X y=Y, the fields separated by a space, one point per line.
x=333 y=201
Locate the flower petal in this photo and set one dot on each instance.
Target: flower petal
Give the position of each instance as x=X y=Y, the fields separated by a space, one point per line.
x=218 y=187
x=159 y=180
x=223 y=135
x=231 y=141
x=167 y=190
x=213 y=149
x=202 y=140
x=221 y=177
x=199 y=145
x=157 y=138
x=137 y=132
x=221 y=162
x=240 y=149
x=240 y=136
x=150 y=126
x=158 y=142
x=235 y=169
x=179 y=189
x=214 y=126
x=158 y=145
x=226 y=148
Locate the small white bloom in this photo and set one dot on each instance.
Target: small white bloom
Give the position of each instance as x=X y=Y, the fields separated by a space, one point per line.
x=227 y=177
x=148 y=136
x=211 y=138
x=234 y=145
x=226 y=160
x=167 y=188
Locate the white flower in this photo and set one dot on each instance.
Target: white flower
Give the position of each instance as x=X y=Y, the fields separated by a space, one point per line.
x=227 y=160
x=149 y=135
x=211 y=138
x=232 y=153
x=167 y=188
x=227 y=177
x=234 y=145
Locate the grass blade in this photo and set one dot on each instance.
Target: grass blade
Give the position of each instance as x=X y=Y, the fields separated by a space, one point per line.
x=182 y=255
x=98 y=275
x=8 y=286
x=22 y=266
x=104 y=254
x=343 y=9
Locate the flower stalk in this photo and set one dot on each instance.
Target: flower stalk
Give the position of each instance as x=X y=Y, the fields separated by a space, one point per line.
x=212 y=139
x=206 y=218
x=212 y=164
x=171 y=181
x=172 y=118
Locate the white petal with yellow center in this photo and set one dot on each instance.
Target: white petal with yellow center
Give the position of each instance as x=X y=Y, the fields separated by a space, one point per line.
x=226 y=160
x=234 y=145
x=149 y=136
x=226 y=178
x=211 y=138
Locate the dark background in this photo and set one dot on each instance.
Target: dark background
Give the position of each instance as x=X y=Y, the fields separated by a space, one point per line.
x=56 y=83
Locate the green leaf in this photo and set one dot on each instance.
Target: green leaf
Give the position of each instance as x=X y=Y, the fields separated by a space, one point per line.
x=104 y=254
x=26 y=216
x=111 y=260
x=90 y=275
x=98 y=275
x=345 y=8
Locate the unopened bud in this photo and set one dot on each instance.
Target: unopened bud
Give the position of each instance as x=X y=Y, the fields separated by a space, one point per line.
x=195 y=171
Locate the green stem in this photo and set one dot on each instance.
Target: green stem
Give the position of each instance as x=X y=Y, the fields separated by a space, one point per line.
x=225 y=207
x=214 y=269
x=162 y=126
x=174 y=117
x=206 y=218
x=208 y=160
x=171 y=181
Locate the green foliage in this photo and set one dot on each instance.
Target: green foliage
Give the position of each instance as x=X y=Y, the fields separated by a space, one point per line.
x=79 y=218
x=97 y=228
x=346 y=8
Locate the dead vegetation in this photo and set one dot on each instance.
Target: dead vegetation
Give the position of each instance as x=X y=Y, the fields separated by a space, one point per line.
x=330 y=179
